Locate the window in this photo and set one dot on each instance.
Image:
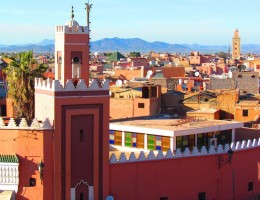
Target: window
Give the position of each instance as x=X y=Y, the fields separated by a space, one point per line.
x=60 y=60
x=202 y=196
x=245 y=113
x=130 y=139
x=32 y=182
x=81 y=136
x=115 y=137
x=140 y=105
x=185 y=141
x=118 y=138
x=111 y=137
x=140 y=140
x=166 y=143
x=151 y=142
x=253 y=76
x=240 y=76
x=164 y=198
x=250 y=186
x=75 y=60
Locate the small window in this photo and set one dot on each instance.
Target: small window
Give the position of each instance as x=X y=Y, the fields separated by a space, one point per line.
x=202 y=196
x=81 y=135
x=32 y=182
x=140 y=105
x=253 y=76
x=250 y=186
x=240 y=76
x=60 y=60
x=245 y=113
x=164 y=198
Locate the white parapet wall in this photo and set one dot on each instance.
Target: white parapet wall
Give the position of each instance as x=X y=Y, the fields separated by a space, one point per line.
x=56 y=86
x=23 y=125
x=45 y=93
x=158 y=155
x=72 y=30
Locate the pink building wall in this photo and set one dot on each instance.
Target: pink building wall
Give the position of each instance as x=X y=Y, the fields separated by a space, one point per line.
x=31 y=146
x=185 y=178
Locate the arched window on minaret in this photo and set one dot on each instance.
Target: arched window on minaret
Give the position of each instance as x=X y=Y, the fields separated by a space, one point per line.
x=59 y=63
x=76 y=67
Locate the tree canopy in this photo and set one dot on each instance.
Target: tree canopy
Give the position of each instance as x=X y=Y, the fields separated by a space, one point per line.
x=20 y=75
x=135 y=54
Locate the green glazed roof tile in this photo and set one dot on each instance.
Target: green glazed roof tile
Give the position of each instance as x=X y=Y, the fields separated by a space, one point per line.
x=8 y=159
x=116 y=56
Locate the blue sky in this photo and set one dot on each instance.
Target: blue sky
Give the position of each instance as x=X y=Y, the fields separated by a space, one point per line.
x=183 y=21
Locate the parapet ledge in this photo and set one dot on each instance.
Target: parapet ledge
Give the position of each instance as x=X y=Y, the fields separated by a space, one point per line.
x=73 y=29
x=160 y=155
x=23 y=124
x=56 y=85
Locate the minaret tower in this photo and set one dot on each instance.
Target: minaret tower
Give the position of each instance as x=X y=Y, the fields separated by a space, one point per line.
x=236 y=45
x=78 y=109
x=71 y=51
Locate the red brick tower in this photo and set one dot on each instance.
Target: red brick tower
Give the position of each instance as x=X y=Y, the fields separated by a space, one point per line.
x=79 y=110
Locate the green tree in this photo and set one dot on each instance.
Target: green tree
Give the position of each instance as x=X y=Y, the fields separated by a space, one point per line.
x=20 y=75
x=222 y=55
x=135 y=54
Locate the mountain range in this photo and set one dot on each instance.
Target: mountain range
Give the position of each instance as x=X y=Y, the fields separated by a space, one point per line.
x=129 y=45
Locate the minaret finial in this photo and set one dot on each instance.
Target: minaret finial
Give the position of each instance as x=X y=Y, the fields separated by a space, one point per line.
x=88 y=7
x=72 y=12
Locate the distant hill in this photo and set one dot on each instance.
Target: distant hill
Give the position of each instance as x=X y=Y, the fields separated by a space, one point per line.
x=132 y=44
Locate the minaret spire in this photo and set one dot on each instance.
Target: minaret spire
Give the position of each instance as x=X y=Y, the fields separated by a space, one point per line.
x=88 y=7
x=72 y=13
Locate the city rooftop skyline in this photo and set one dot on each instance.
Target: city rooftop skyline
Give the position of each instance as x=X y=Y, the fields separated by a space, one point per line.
x=190 y=21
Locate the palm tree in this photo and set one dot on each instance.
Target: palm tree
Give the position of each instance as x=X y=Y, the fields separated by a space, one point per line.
x=20 y=75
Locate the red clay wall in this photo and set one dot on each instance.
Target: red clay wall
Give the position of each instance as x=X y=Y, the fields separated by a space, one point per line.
x=184 y=178
x=128 y=74
x=30 y=146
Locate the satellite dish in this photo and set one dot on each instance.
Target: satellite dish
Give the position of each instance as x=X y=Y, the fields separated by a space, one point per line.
x=119 y=83
x=196 y=74
x=149 y=72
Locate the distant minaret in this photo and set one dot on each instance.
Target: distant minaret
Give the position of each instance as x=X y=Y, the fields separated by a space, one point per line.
x=236 y=45
x=228 y=51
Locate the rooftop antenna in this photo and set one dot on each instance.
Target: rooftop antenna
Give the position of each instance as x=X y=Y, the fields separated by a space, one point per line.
x=88 y=8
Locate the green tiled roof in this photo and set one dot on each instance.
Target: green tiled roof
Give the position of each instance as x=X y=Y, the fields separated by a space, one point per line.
x=8 y=159
x=116 y=56
x=158 y=75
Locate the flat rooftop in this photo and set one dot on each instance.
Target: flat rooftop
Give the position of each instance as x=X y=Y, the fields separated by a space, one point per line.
x=174 y=127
